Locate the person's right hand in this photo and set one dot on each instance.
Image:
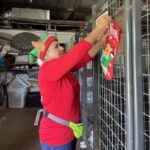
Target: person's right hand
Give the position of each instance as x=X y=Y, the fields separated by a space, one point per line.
x=103 y=22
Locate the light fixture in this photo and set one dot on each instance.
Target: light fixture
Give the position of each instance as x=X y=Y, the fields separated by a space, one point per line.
x=70 y=9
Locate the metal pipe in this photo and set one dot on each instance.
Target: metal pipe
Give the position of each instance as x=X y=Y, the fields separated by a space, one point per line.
x=95 y=88
x=137 y=75
x=95 y=102
x=129 y=78
x=84 y=104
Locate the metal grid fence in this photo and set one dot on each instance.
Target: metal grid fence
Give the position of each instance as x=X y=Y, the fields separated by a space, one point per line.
x=116 y=126
x=112 y=110
x=86 y=96
x=146 y=69
x=86 y=82
x=112 y=101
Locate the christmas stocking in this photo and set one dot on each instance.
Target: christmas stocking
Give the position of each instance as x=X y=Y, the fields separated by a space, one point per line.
x=110 y=51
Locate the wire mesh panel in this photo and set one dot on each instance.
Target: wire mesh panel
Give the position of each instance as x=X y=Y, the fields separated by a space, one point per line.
x=112 y=100
x=112 y=109
x=86 y=97
x=146 y=69
x=89 y=105
x=86 y=80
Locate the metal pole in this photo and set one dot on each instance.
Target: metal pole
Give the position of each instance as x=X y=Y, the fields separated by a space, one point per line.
x=84 y=101
x=137 y=75
x=129 y=68
x=95 y=102
x=85 y=114
x=95 y=89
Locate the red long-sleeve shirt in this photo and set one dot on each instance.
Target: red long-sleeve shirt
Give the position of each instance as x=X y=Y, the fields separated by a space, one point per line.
x=60 y=93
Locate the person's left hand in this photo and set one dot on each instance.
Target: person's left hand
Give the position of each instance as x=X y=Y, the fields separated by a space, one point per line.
x=103 y=22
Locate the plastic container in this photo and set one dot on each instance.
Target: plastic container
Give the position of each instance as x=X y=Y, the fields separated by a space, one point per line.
x=17 y=85
x=16 y=100
x=17 y=91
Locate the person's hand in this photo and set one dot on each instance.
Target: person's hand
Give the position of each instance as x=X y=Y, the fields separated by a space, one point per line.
x=101 y=27
x=103 y=22
x=103 y=37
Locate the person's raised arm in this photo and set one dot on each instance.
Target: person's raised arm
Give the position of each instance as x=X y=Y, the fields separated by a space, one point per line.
x=65 y=63
x=101 y=27
x=95 y=49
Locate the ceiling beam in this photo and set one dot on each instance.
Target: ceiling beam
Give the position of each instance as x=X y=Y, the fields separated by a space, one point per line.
x=51 y=22
x=19 y=4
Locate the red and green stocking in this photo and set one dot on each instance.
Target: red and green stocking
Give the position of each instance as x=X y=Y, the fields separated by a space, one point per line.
x=110 y=51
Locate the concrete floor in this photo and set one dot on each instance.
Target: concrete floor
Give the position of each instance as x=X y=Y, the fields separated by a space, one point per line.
x=17 y=131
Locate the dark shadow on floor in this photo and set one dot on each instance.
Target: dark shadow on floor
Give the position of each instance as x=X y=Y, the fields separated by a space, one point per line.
x=17 y=131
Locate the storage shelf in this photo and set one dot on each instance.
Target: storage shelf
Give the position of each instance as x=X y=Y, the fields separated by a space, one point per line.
x=34 y=69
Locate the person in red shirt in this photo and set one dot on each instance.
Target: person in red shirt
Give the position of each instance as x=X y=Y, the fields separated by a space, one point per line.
x=59 y=89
